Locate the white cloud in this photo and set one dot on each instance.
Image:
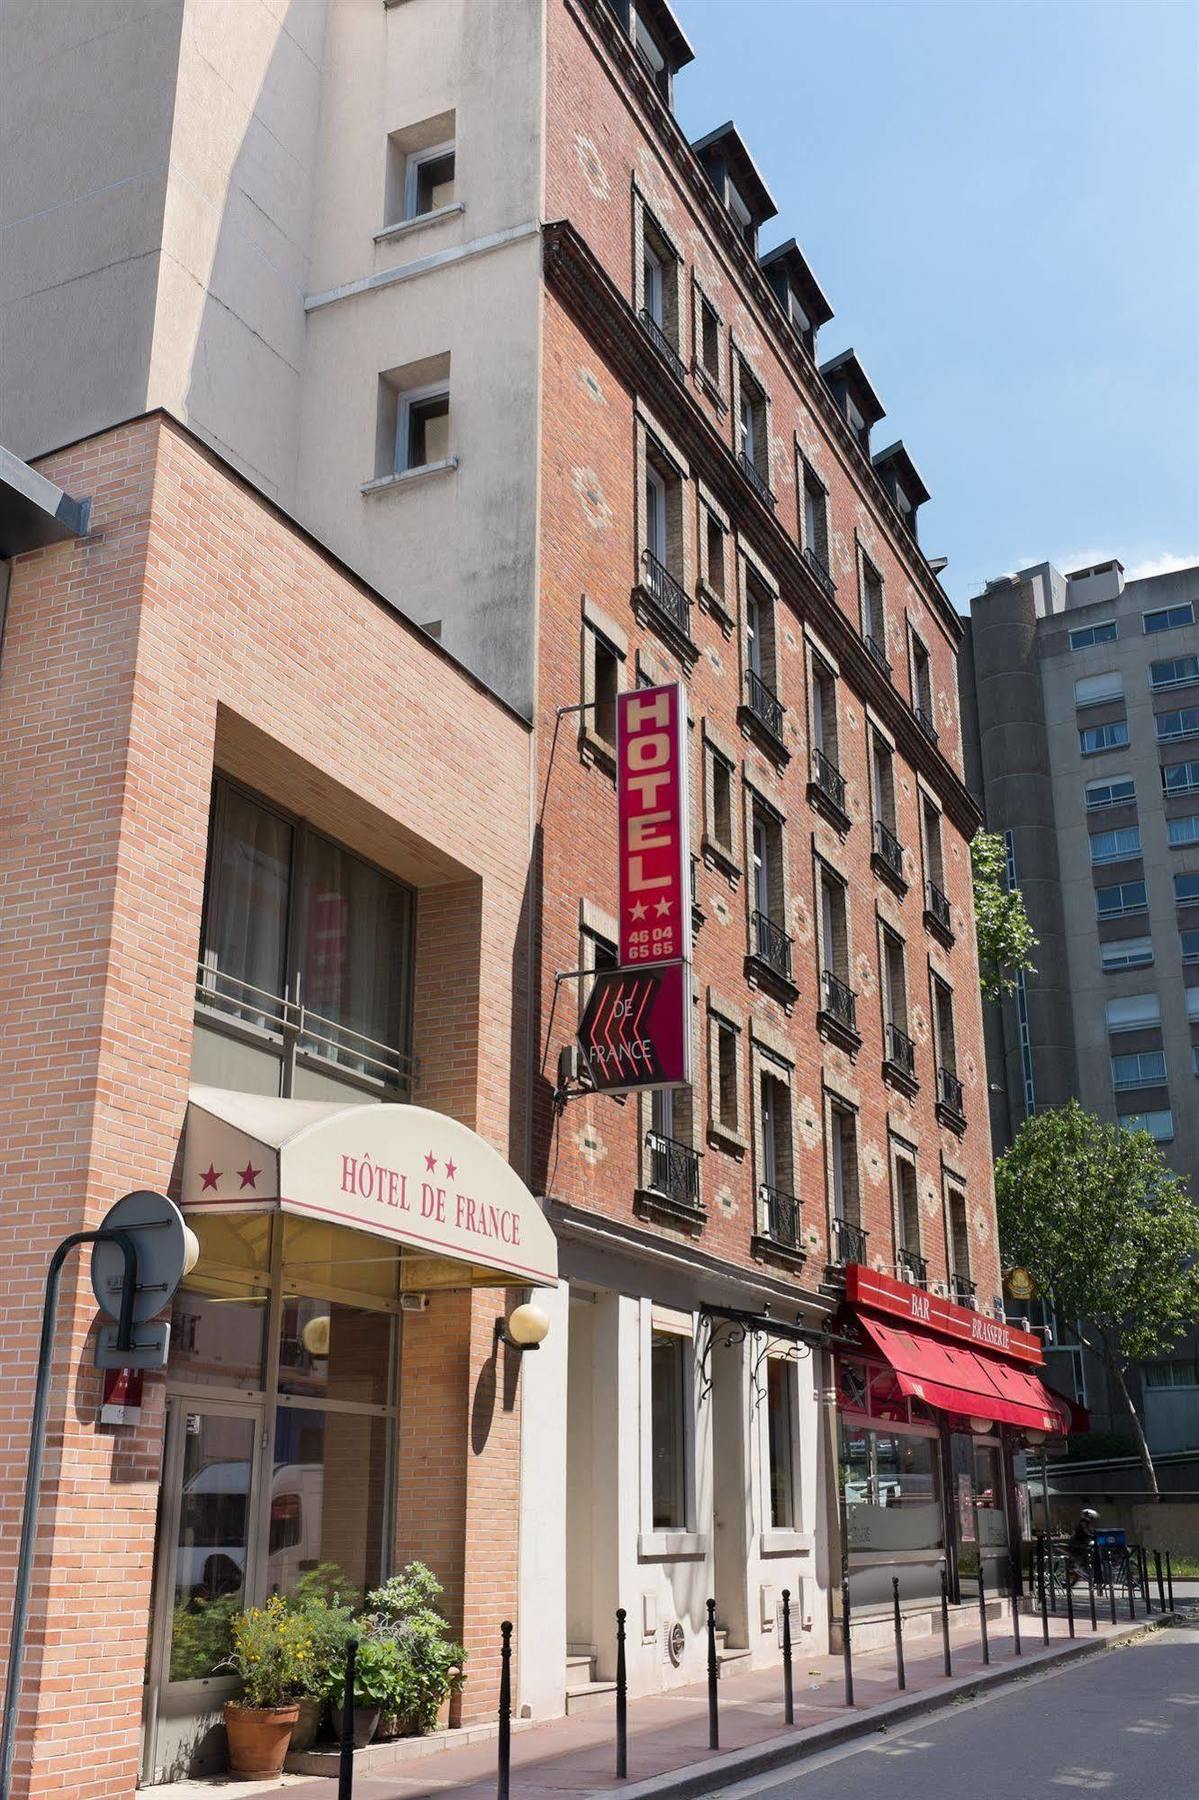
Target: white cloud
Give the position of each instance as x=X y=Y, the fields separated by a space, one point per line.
x=1160 y=565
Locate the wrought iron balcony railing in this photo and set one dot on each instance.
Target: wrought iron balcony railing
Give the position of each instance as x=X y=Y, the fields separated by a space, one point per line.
x=781 y=1212
x=936 y=905
x=925 y=721
x=764 y=704
x=668 y=596
x=829 y=779
x=839 y=1001
x=820 y=569
x=911 y=1267
x=662 y=345
x=771 y=944
x=849 y=1242
x=673 y=1168
x=878 y=653
x=756 y=479
x=962 y=1290
x=949 y=1092
x=901 y=1051
x=888 y=848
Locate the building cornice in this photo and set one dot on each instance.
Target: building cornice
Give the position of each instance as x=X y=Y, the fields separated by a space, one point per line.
x=598 y=15
x=578 y=279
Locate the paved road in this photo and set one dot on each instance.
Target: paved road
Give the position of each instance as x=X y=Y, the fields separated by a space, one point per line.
x=1124 y=1725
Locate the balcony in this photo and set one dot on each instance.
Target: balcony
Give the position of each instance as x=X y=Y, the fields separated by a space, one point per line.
x=878 y=653
x=299 y=1037
x=848 y=1244
x=768 y=964
x=666 y=596
x=962 y=1290
x=937 y=914
x=756 y=479
x=781 y=1212
x=887 y=858
x=900 y=1059
x=826 y=789
x=838 y=1017
x=950 y=1106
x=663 y=345
x=671 y=1190
x=820 y=570
x=911 y=1268
x=764 y=707
x=925 y=721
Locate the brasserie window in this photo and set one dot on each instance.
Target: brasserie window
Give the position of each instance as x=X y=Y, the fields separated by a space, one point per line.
x=670 y=1399
x=306 y=953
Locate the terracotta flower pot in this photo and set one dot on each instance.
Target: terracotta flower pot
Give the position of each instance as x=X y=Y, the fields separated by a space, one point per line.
x=258 y=1738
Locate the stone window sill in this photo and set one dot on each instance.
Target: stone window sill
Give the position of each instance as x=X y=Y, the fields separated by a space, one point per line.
x=666 y=1545
x=727 y=1138
x=408 y=227
x=406 y=477
x=786 y=1543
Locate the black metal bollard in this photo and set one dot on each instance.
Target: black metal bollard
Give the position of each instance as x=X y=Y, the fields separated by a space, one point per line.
x=1070 y=1600
x=900 y=1675
x=1130 y=1584
x=945 y=1623
x=1091 y=1592
x=1017 y=1648
x=345 y=1762
x=846 y=1646
x=622 y=1700
x=504 y=1769
x=982 y=1611
x=1143 y=1560
x=1161 y=1585
x=1111 y=1586
x=713 y=1674
x=788 y=1687
x=1169 y=1581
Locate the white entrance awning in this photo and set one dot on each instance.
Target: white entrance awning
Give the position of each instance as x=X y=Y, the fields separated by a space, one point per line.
x=403 y=1173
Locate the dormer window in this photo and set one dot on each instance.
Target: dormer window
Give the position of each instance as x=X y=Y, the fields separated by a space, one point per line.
x=797 y=291
x=650 y=54
x=857 y=423
x=901 y=478
x=850 y=387
x=660 y=46
x=741 y=214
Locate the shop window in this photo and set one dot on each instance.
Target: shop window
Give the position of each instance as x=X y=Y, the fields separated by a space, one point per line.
x=211 y=1552
x=781 y=1442
x=670 y=1401
x=306 y=946
x=891 y=1484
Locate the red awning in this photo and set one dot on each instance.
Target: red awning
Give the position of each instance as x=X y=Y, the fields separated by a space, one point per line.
x=968 y=1382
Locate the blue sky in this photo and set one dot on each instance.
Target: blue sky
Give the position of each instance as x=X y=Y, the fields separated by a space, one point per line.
x=1001 y=200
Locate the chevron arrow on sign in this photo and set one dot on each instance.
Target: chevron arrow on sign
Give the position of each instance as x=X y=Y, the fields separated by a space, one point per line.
x=633 y=1032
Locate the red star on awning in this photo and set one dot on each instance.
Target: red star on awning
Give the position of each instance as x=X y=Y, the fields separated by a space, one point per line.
x=451 y=1169
x=210 y=1176
x=430 y=1162
x=249 y=1175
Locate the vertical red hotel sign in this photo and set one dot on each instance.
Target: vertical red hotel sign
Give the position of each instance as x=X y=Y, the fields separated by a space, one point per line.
x=655 y=863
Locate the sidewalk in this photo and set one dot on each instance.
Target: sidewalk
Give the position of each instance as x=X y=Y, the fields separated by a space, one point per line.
x=573 y=1758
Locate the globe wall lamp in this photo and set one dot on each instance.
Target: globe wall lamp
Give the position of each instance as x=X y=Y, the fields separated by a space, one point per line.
x=524 y=1329
x=979 y=1425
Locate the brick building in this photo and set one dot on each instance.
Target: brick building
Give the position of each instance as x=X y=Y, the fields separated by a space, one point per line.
x=439 y=318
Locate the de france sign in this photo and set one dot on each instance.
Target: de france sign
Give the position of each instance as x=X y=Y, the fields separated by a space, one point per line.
x=636 y=1030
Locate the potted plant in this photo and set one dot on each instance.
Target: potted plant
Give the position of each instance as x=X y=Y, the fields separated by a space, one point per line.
x=330 y=1626
x=271 y=1653
x=428 y=1663
x=377 y=1686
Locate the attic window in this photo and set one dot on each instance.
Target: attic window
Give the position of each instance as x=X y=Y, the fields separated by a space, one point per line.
x=648 y=50
x=741 y=215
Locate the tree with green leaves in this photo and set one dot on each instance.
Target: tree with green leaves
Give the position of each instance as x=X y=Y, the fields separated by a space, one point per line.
x=1109 y=1234
x=1005 y=937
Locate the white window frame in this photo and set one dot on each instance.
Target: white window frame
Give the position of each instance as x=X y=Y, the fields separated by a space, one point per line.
x=1085 y=634
x=1163 y=612
x=1190 y=786
x=1107 y=782
x=655 y=537
x=413 y=163
x=405 y=402
x=1174 y=681
x=780 y=1538
x=652 y=281
x=1140 y=1122
x=1086 y=731
x=1183 y=839
x=658 y=1541
x=1137 y=1077
x=1188 y=717
x=1181 y=899
x=1111 y=958
x=1120 y=852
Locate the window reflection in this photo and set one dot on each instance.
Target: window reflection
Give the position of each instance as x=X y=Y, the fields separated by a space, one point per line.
x=328 y=1500
x=210 y=1559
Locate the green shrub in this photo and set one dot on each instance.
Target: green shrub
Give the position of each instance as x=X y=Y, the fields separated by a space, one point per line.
x=271 y=1653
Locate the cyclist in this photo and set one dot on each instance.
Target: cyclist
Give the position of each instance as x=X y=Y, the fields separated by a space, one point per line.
x=1080 y=1551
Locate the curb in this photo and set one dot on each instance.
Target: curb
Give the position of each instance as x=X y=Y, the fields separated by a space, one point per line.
x=701 y=1781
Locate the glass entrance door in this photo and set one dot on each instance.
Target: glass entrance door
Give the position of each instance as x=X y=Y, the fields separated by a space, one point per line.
x=204 y=1572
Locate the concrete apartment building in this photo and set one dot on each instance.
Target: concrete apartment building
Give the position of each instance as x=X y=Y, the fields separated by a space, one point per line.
x=1080 y=705
x=404 y=386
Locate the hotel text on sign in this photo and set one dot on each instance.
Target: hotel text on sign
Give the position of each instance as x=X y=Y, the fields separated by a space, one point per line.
x=654 y=851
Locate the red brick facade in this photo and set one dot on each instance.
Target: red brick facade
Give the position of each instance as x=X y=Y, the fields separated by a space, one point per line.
x=196 y=629
x=614 y=154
